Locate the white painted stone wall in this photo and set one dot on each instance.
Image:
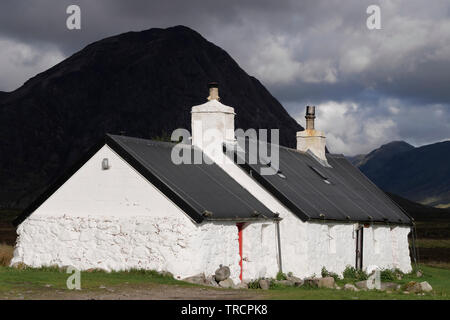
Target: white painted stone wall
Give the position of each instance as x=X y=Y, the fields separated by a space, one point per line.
x=115 y=220
x=387 y=247
x=113 y=243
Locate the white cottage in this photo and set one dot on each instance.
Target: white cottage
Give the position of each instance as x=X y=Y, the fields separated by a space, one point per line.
x=128 y=205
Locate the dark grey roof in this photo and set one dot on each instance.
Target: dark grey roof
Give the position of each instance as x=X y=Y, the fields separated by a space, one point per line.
x=313 y=191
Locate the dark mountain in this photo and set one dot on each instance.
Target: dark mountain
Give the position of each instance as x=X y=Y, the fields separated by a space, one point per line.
x=142 y=84
x=419 y=174
x=381 y=154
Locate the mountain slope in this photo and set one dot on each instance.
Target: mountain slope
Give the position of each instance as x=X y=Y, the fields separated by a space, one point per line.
x=141 y=83
x=381 y=154
x=419 y=174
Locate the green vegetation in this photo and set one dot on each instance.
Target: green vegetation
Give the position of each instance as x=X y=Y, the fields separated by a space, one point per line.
x=351 y=273
x=281 y=276
x=326 y=273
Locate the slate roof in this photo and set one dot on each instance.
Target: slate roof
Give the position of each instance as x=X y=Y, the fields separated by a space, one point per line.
x=312 y=191
x=203 y=191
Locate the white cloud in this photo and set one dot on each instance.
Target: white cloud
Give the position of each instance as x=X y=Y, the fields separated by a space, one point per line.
x=350 y=129
x=20 y=61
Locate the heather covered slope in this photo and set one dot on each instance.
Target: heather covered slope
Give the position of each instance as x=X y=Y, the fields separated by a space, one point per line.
x=142 y=84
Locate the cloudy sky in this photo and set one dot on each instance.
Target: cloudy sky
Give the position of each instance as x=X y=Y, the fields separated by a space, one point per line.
x=370 y=86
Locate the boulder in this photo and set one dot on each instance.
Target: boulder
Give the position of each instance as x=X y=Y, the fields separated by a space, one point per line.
x=227 y=283
x=349 y=286
x=326 y=282
x=264 y=284
x=211 y=281
x=287 y=283
x=389 y=286
x=426 y=287
x=311 y=282
x=297 y=281
x=241 y=285
x=413 y=287
x=365 y=284
x=419 y=274
x=222 y=273
x=197 y=279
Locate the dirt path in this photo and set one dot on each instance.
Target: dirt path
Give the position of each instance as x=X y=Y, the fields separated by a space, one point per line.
x=134 y=292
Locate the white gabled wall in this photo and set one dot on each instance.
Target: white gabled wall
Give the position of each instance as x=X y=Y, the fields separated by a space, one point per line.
x=117 y=192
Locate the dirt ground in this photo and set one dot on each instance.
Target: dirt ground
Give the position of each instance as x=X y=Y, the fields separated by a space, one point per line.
x=133 y=292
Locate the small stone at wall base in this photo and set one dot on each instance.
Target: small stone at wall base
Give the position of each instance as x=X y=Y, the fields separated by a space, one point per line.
x=327 y=282
x=264 y=284
x=297 y=281
x=389 y=286
x=241 y=285
x=227 y=283
x=311 y=282
x=222 y=273
x=287 y=283
x=349 y=286
x=211 y=281
x=197 y=279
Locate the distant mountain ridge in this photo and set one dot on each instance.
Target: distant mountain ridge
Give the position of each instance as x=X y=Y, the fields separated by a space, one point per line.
x=142 y=84
x=419 y=174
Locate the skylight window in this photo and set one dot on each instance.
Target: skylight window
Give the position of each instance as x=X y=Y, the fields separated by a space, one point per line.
x=320 y=174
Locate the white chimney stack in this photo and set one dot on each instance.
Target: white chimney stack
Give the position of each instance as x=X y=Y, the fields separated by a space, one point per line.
x=311 y=139
x=212 y=122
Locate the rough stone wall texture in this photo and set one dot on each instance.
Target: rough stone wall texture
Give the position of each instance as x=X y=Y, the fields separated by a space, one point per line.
x=167 y=244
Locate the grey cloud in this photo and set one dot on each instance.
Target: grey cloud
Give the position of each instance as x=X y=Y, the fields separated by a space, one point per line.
x=305 y=52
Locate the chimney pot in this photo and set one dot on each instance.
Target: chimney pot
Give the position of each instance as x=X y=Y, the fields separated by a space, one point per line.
x=311 y=139
x=213 y=91
x=310 y=116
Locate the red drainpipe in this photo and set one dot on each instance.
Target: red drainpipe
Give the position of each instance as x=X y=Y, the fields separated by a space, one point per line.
x=240 y=228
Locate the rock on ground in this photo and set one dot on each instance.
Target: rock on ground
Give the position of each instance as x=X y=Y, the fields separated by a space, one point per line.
x=426 y=287
x=222 y=273
x=288 y=283
x=389 y=286
x=297 y=281
x=264 y=284
x=197 y=279
x=227 y=283
x=349 y=286
x=413 y=287
x=241 y=285
x=311 y=282
x=326 y=282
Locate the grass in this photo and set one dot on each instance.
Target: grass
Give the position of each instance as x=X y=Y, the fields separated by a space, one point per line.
x=6 y=254
x=433 y=243
x=13 y=279
x=22 y=280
